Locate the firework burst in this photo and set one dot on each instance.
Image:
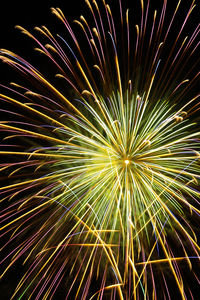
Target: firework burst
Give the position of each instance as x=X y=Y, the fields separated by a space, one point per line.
x=101 y=175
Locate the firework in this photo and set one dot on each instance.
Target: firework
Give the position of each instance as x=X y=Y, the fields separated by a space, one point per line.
x=100 y=195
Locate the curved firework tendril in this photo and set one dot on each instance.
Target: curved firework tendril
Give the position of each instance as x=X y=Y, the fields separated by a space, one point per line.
x=100 y=178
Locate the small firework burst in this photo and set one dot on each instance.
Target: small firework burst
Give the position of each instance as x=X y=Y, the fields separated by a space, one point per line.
x=100 y=193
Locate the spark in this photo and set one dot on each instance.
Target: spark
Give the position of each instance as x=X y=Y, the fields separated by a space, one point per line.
x=100 y=190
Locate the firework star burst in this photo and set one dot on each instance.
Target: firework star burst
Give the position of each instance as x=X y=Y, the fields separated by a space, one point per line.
x=100 y=165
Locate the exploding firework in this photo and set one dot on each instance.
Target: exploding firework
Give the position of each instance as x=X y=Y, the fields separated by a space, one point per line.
x=100 y=166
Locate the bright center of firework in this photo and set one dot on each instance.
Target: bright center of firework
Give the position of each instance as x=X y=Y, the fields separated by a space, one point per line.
x=127 y=161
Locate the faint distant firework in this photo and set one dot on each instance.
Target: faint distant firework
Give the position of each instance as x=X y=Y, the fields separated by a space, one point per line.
x=100 y=166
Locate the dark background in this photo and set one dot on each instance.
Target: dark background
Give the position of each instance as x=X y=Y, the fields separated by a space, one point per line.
x=29 y=14
x=35 y=13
